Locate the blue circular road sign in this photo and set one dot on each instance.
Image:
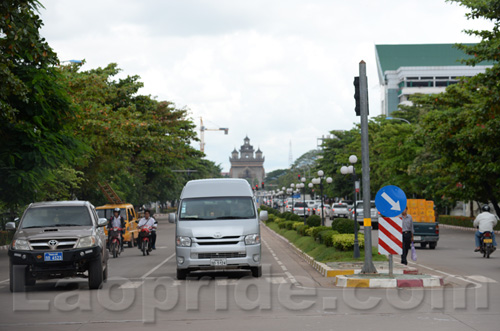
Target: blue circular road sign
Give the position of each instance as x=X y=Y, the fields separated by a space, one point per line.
x=390 y=201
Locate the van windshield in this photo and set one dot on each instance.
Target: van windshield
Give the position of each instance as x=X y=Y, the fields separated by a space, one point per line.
x=217 y=208
x=56 y=216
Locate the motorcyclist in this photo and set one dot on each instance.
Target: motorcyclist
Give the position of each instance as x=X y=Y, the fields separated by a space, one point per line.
x=116 y=221
x=485 y=221
x=147 y=221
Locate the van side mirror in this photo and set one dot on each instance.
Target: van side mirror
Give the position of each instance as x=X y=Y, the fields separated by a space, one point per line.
x=10 y=226
x=263 y=215
x=172 y=217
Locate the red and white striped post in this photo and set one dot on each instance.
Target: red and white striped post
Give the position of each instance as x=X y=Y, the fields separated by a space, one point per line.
x=390 y=238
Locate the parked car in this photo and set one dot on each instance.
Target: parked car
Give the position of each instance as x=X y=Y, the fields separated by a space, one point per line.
x=57 y=240
x=340 y=210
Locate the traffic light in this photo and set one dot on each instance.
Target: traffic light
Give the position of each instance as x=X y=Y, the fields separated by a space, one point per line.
x=298 y=177
x=256 y=187
x=357 y=109
x=262 y=185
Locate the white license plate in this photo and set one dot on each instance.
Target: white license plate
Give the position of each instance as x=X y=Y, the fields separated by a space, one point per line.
x=56 y=256
x=417 y=237
x=218 y=262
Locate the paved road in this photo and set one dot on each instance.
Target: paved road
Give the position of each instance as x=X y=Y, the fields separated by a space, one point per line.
x=143 y=291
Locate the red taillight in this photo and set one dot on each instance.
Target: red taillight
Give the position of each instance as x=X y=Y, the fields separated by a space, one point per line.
x=487 y=234
x=437 y=229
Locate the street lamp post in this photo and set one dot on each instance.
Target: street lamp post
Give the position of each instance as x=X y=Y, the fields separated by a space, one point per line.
x=283 y=189
x=319 y=181
x=292 y=185
x=303 y=186
x=350 y=170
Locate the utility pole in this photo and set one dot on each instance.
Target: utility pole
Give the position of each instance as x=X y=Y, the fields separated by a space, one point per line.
x=368 y=267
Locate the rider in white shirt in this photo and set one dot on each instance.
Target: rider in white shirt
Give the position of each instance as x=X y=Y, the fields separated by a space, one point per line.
x=485 y=221
x=148 y=221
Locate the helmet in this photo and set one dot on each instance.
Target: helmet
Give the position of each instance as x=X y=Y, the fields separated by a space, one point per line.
x=486 y=208
x=116 y=210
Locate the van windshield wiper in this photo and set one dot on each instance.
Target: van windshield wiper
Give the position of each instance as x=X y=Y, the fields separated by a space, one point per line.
x=232 y=217
x=33 y=226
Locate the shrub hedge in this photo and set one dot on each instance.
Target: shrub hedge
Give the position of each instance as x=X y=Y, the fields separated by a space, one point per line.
x=325 y=237
x=343 y=225
x=345 y=241
x=313 y=220
x=314 y=231
x=460 y=221
x=296 y=218
x=302 y=229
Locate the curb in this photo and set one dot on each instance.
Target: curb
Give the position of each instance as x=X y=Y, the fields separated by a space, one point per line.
x=432 y=281
x=327 y=271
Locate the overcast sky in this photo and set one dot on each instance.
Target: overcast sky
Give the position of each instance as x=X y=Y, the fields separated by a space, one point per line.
x=278 y=71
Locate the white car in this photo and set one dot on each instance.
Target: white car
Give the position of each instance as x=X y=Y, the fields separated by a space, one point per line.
x=340 y=210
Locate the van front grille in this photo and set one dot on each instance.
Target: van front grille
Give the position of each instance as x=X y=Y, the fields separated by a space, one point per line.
x=228 y=255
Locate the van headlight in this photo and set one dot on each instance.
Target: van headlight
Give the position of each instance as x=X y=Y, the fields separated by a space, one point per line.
x=21 y=245
x=252 y=239
x=183 y=241
x=88 y=241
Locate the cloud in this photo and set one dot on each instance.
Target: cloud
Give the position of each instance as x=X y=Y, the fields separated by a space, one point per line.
x=277 y=71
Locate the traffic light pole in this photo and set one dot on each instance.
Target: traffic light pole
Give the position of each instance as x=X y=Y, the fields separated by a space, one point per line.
x=368 y=267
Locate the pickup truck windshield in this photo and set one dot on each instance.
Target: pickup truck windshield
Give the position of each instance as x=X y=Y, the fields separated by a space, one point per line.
x=217 y=208
x=56 y=216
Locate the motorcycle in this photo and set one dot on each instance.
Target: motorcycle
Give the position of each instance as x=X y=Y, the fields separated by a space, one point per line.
x=115 y=241
x=145 y=240
x=486 y=247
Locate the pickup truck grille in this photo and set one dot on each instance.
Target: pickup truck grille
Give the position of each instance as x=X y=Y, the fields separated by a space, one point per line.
x=53 y=244
x=221 y=255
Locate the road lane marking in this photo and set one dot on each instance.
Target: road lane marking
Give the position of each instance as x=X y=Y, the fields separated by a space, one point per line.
x=476 y=285
x=4 y=281
x=482 y=279
x=158 y=266
x=131 y=285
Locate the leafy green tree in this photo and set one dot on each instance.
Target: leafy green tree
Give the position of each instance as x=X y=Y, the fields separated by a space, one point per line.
x=34 y=107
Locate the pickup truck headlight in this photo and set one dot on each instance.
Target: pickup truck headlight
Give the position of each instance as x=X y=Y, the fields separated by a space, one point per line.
x=183 y=241
x=252 y=239
x=88 y=241
x=21 y=245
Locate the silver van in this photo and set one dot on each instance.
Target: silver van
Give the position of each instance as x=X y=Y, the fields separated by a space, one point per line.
x=217 y=227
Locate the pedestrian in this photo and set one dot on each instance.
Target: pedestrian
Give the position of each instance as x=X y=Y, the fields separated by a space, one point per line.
x=408 y=231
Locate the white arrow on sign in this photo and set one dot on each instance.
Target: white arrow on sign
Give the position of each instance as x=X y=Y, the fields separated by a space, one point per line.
x=394 y=205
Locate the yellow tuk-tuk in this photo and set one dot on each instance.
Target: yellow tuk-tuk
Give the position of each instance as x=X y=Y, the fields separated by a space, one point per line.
x=128 y=213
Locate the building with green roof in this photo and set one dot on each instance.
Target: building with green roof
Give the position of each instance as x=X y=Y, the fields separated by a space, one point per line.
x=404 y=70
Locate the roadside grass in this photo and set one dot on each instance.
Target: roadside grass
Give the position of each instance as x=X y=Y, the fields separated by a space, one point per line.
x=320 y=252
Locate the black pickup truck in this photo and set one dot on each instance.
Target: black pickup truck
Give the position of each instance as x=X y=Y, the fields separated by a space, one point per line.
x=426 y=233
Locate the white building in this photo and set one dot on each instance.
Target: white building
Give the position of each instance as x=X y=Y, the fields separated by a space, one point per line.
x=404 y=70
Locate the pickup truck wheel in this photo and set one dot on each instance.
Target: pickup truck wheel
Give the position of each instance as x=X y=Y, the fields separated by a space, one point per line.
x=256 y=271
x=182 y=274
x=96 y=274
x=423 y=245
x=432 y=245
x=17 y=275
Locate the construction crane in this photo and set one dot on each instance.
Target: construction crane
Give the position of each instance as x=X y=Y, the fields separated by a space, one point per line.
x=202 y=134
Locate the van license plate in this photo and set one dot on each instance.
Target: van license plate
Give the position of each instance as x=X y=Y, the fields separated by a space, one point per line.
x=218 y=262
x=488 y=241
x=415 y=238
x=56 y=256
